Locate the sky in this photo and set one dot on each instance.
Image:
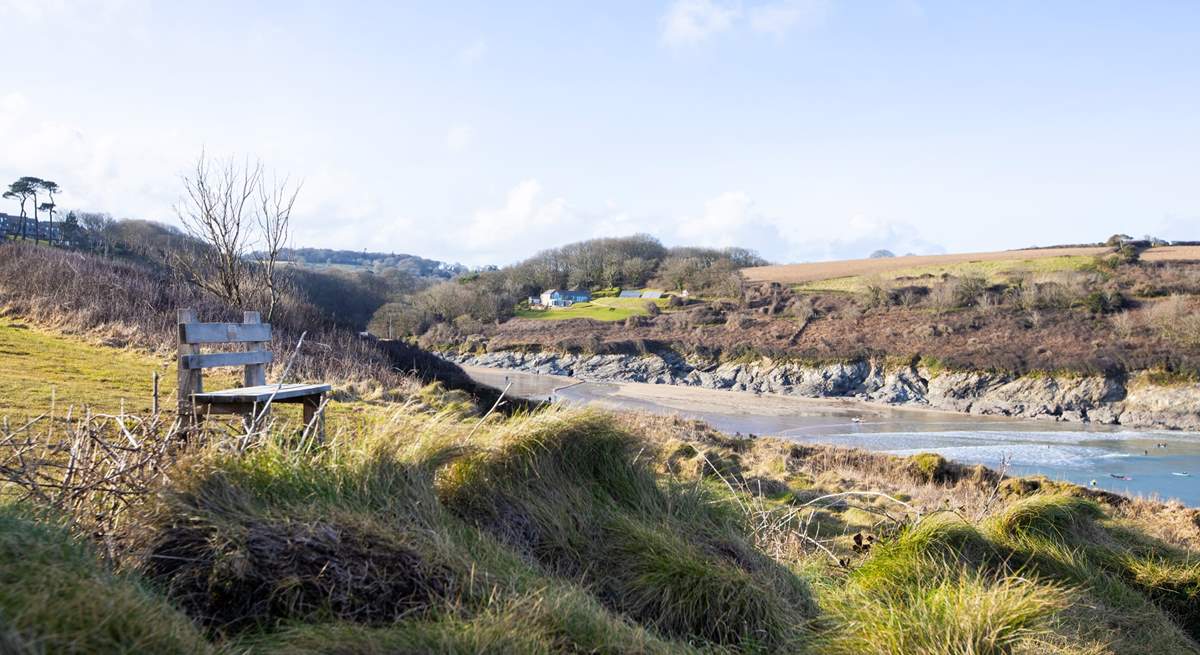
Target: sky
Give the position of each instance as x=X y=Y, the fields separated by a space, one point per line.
x=481 y=132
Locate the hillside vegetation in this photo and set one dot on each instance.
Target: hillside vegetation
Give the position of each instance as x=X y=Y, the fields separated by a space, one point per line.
x=429 y=529
x=425 y=523
x=1120 y=312
x=467 y=304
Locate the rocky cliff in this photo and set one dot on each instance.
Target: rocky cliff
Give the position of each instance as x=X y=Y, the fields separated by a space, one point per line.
x=1098 y=399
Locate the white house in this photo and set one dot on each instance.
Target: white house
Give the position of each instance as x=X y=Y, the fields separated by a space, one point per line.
x=563 y=298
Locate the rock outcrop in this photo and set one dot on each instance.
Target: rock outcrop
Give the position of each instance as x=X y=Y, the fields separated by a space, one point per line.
x=1097 y=399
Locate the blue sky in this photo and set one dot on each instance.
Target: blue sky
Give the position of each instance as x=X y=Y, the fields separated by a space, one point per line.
x=481 y=132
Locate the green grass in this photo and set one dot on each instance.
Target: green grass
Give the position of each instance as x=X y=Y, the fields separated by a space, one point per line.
x=37 y=366
x=57 y=596
x=420 y=529
x=993 y=271
x=600 y=309
x=41 y=371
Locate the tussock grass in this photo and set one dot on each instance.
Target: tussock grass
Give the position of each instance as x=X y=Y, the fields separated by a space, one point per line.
x=566 y=491
x=57 y=596
x=962 y=614
x=429 y=528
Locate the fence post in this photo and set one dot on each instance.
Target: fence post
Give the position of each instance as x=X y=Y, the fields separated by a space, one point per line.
x=189 y=380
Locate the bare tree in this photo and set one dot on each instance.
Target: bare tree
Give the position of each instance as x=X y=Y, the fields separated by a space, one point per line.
x=229 y=208
x=274 y=215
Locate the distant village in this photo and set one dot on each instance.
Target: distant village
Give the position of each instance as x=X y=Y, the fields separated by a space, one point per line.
x=22 y=226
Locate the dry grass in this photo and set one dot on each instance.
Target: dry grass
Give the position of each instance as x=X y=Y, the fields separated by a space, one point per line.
x=126 y=304
x=811 y=272
x=1172 y=254
x=581 y=531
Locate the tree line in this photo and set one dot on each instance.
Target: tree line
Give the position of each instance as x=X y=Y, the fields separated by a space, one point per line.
x=26 y=189
x=633 y=262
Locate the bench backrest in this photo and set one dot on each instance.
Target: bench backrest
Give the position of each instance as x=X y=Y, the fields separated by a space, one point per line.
x=254 y=356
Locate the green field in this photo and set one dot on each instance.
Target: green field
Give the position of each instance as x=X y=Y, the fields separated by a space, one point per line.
x=600 y=309
x=43 y=372
x=994 y=270
x=37 y=366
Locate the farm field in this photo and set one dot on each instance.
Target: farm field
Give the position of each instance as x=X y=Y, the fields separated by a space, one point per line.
x=1172 y=254
x=994 y=270
x=851 y=274
x=815 y=271
x=600 y=309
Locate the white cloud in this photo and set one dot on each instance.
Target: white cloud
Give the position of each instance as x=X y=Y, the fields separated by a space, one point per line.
x=859 y=236
x=733 y=219
x=473 y=52
x=688 y=22
x=526 y=218
x=459 y=137
x=779 y=18
x=128 y=174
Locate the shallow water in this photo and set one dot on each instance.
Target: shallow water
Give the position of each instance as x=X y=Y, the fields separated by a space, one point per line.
x=1063 y=451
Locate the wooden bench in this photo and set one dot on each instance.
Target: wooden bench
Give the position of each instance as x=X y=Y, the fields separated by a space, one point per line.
x=250 y=400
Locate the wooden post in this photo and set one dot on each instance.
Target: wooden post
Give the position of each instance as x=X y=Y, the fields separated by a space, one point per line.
x=154 y=398
x=256 y=374
x=190 y=381
x=313 y=409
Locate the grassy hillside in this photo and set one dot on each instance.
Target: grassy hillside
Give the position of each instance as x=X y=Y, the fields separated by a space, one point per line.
x=426 y=529
x=57 y=376
x=600 y=309
x=993 y=270
x=1053 y=310
x=816 y=271
x=40 y=367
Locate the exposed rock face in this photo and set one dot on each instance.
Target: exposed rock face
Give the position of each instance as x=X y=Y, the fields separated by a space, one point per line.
x=1096 y=399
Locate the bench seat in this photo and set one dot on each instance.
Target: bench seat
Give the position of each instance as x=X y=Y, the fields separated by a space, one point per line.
x=261 y=393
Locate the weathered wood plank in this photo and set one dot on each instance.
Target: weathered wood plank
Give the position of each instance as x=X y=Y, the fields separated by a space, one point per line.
x=255 y=374
x=190 y=380
x=194 y=333
x=258 y=357
x=262 y=393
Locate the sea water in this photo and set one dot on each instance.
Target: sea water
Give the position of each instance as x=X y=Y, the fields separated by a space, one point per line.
x=1148 y=463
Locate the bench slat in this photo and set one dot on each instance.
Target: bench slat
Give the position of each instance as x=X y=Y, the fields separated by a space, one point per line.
x=261 y=393
x=225 y=332
x=227 y=359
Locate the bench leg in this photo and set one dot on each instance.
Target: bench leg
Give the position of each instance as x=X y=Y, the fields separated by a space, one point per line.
x=312 y=409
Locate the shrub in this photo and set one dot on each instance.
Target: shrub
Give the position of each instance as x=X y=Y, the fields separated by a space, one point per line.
x=1103 y=302
x=959 y=292
x=930 y=467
